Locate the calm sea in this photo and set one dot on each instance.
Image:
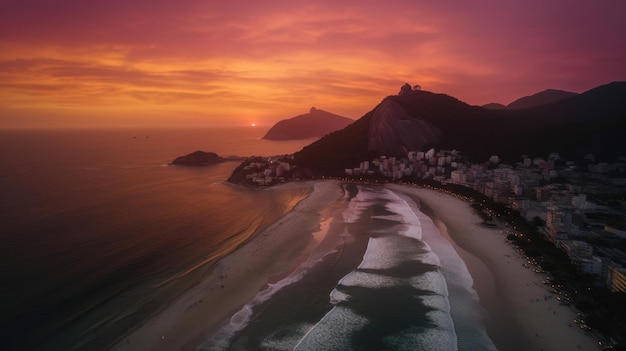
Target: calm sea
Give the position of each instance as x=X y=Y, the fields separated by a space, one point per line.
x=98 y=232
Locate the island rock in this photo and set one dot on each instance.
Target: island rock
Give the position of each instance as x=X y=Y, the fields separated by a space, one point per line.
x=198 y=158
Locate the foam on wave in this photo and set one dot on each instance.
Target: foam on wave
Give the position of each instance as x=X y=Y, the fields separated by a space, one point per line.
x=396 y=260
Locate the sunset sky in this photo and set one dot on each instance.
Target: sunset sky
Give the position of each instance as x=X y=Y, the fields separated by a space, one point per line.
x=212 y=63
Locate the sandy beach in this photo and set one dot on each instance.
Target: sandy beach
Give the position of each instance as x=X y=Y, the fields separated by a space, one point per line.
x=521 y=313
x=234 y=280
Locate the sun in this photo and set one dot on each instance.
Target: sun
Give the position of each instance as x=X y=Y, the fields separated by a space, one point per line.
x=253 y=125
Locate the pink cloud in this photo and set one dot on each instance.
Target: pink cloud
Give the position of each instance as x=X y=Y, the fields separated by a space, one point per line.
x=274 y=55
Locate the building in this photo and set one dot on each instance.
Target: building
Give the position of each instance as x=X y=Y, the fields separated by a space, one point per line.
x=577 y=249
x=589 y=265
x=617 y=278
x=558 y=223
x=458 y=177
x=613 y=230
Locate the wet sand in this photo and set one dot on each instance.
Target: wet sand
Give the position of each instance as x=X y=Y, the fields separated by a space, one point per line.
x=521 y=313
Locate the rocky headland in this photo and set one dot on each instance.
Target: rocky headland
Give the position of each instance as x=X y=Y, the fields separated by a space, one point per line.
x=314 y=124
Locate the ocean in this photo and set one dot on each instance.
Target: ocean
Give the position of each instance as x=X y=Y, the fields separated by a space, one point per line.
x=99 y=233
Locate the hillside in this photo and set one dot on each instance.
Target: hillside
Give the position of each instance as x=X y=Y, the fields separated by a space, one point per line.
x=542 y=98
x=316 y=123
x=545 y=97
x=589 y=122
x=494 y=106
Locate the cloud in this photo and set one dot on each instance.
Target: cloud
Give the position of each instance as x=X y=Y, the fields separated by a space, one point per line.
x=272 y=59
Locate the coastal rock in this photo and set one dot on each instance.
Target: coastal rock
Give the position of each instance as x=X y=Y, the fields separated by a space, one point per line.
x=314 y=124
x=198 y=158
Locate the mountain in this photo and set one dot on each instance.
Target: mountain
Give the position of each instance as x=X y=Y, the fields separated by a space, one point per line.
x=541 y=98
x=316 y=123
x=592 y=122
x=494 y=106
x=394 y=131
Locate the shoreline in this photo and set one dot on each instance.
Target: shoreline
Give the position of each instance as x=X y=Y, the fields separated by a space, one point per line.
x=520 y=312
x=235 y=279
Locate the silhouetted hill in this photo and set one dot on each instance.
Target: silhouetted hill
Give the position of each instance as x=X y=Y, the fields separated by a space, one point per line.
x=592 y=122
x=198 y=158
x=494 y=106
x=316 y=123
x=542 y=98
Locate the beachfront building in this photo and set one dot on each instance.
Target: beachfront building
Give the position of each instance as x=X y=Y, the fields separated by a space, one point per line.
x=617 y=278
x=615 y=231
x=282 y=168
x=576 y=248
x=580 y=202
x=558 y=223
x=581 y=255
x=589 y=265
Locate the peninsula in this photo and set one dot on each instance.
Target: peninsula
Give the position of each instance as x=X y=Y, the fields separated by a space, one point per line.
x=314 y=124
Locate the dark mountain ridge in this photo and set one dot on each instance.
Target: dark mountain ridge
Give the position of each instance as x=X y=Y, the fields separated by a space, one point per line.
x=541 y=98
x=316 y=123
x=494 y=106
x=591 y=122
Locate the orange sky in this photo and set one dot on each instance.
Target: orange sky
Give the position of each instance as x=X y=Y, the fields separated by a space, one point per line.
x=209 y=63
